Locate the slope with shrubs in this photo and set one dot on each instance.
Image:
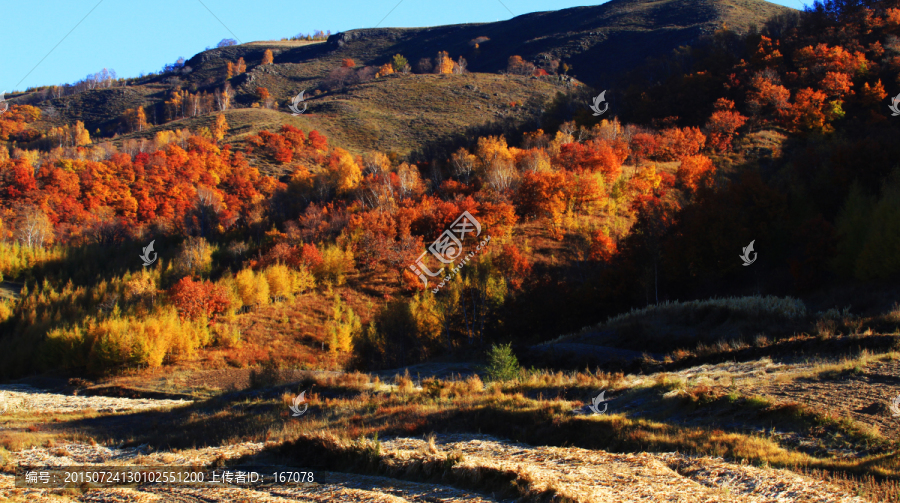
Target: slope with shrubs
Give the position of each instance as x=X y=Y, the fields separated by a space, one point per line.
x=636 y=214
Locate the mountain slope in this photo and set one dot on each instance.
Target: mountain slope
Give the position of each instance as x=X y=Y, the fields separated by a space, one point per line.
x=598 y=43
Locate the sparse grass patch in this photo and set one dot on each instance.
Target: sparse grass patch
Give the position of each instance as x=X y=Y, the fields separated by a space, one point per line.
x=669 y=382
x=758 y=402
x=404 y=383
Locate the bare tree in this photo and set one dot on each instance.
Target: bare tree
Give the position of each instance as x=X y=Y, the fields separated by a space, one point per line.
x=501 y=174
x=224 y=97
x=408 y=176
x=424 y=66
x=461 y=65
x=376 y=162
x=33 y=227
x=105 y=228
x=339 y=78
x=463 y=164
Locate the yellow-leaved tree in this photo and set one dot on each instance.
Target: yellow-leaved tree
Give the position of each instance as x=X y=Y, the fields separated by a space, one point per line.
x=252 y=288
x=164 y=138
x=285 y=283
x=135 y=118
x=336 y=263
x=82 y=137
x=220 y=128
x=443 y=63
x=279 y=279
x=495 y=160
x=386 y=69
x=195 y=256
x=344 y=172
x=343 y=326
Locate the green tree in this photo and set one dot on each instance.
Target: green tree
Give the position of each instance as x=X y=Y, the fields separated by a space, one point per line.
x=502 y=363
x=399 y=63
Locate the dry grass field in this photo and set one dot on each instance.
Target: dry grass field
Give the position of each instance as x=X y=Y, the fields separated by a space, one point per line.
x=761 y=430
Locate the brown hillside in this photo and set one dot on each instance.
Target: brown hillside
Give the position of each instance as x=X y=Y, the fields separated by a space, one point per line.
x=405 y=112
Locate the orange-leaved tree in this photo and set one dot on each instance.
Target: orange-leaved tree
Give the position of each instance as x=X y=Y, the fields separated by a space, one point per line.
x=197 y=299
x=603 y=248
x=385 y=69
x=512 y=265
x=443 y=63
x=695 y=171
x=723 y=124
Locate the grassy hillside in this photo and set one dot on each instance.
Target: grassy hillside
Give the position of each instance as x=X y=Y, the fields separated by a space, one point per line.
x=373 y=115
x=599 y=43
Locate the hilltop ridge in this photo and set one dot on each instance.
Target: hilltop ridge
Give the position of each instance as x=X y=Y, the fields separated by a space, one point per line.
x=597 y=44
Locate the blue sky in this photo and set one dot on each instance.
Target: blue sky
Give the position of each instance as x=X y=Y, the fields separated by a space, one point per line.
x=60 y=41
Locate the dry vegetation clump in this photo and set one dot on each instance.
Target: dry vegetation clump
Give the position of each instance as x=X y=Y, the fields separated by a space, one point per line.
x=442 y=389
x=893 y=316
x=269 y=374
x=551 y=383
x=351 y=381
x=425 y=462
x=404 y=383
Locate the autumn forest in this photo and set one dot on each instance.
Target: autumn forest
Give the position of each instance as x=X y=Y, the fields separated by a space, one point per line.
x=782 y=136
